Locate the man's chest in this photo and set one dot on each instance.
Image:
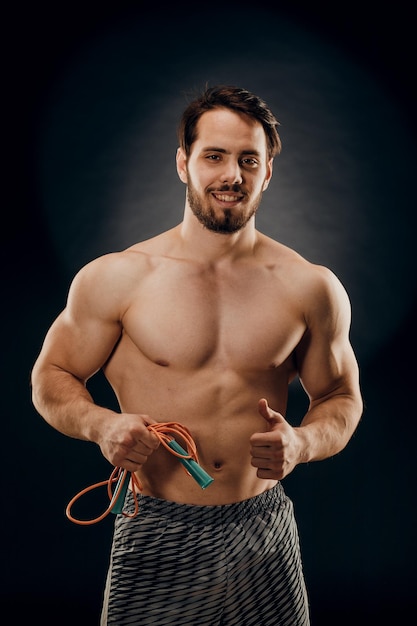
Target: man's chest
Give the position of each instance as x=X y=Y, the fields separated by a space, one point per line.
x=248 y=320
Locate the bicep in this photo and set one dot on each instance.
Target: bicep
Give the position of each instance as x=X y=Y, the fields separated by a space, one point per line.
x=84 y=334
x=325 y=359
x=79 y=347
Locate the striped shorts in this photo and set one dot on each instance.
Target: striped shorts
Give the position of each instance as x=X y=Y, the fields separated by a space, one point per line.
x=228 y=565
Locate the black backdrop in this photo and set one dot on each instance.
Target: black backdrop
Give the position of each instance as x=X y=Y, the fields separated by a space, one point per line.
x=92 y=98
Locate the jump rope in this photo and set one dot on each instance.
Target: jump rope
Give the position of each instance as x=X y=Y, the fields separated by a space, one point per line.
x=165 y=432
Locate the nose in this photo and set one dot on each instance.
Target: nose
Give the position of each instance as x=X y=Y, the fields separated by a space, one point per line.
x=231 y=173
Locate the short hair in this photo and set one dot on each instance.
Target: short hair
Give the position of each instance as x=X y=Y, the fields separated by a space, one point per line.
x=235 y=99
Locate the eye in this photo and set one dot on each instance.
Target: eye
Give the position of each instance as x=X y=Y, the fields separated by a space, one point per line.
x=249 y=162
x=213 y=157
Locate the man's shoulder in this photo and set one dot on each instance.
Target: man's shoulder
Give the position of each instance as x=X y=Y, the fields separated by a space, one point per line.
x=287 y=257
x=113 y=269
x=297 y=270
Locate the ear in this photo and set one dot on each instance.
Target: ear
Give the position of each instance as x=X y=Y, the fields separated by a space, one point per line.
x=268 y=176
x=182 y=165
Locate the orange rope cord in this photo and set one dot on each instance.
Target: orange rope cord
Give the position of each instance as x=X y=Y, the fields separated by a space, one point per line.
x=163 y=431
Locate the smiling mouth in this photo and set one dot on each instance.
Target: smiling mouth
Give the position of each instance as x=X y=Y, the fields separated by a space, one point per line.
x=226 y=197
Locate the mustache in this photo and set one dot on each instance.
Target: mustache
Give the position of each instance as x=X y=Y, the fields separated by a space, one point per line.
x=225 y=188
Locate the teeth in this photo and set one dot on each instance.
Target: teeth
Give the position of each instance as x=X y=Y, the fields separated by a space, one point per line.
x=226 y=198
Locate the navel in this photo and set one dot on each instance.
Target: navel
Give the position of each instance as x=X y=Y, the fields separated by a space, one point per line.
x=217 y=465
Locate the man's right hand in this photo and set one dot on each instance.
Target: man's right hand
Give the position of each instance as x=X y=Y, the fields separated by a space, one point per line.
x=126 y=441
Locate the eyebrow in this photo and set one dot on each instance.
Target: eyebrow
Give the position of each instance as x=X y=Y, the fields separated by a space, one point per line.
x=223 y=151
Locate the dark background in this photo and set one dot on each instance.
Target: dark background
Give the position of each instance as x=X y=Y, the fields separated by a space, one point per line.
x=92 y=96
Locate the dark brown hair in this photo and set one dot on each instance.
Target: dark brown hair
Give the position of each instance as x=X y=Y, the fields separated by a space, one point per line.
x=235 y=99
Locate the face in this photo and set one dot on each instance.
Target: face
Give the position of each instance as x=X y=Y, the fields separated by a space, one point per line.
x=227 y=170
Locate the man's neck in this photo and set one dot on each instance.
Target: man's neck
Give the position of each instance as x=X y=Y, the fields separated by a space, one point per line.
x=202 y=244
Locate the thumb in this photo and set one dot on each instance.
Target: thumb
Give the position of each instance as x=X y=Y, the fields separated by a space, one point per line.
x=272 y=417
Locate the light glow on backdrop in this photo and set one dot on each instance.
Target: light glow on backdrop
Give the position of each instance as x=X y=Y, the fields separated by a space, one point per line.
x=341 y=193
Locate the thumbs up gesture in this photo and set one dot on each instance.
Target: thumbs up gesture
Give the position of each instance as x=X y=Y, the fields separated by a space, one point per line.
x=274 y=452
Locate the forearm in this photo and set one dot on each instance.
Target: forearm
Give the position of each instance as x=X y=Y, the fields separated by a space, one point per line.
x=65 y=403
x=328 y=426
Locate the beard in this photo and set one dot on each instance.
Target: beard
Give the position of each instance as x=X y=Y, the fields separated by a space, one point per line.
x=229 y=221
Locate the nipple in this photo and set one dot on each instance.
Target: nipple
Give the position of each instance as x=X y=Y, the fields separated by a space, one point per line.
x=161 y=362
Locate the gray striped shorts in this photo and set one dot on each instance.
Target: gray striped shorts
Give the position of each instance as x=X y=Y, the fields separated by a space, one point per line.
x=228 y=565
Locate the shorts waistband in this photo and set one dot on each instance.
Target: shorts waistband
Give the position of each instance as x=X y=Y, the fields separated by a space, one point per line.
x=174 y=511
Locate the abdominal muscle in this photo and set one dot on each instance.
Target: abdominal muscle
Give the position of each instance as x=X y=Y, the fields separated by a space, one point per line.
x=234 y=479
x=223 y=449
x=220 y=410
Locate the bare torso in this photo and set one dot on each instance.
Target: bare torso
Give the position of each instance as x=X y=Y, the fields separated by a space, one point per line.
x=201 y=345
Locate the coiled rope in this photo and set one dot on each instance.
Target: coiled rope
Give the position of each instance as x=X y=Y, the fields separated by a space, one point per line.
x=165 y=432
